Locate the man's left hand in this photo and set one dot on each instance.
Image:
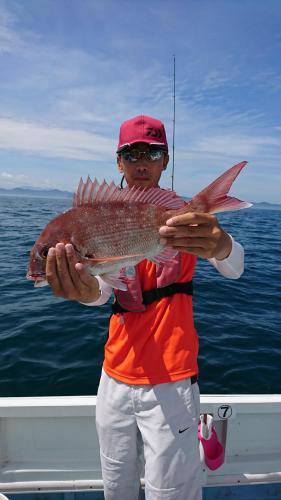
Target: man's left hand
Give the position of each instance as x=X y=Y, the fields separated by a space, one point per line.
x=197 y=233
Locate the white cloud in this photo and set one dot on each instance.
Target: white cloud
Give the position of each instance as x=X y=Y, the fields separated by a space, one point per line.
x=8 y=38
x=50 y=141
x=11 y=41
x=8 y=180
x=267 y=80
x=6 y=175
x=66 y=100
x=215 y=79
x=230 y=145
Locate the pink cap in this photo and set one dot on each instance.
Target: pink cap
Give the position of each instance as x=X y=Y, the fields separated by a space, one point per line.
x=142 y=129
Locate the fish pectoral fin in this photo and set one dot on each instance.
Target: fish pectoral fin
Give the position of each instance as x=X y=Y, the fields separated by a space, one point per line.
x=165 y=256
x=115 y=281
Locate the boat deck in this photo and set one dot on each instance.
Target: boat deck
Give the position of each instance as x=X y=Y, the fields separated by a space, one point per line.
x=253 y=492
x=49 y=448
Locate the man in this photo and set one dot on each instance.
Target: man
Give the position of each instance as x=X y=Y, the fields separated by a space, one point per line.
x=148 y=394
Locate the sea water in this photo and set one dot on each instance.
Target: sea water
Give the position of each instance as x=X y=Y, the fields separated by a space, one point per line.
x=51 y=346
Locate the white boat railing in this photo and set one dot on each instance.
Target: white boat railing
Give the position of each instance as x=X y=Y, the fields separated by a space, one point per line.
x=50 y=443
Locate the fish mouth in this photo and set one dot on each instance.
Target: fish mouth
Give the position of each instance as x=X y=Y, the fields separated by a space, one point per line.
x=40 y=283
x=35 y=277
x=39 y=279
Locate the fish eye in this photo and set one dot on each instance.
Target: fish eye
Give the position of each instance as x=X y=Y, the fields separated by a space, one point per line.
x=44 y=252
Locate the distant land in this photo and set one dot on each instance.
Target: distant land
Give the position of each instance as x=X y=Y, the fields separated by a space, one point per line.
x=57 y=193
x=36 y=192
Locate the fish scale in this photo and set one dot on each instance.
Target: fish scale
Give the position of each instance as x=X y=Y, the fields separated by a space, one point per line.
x=136 y=233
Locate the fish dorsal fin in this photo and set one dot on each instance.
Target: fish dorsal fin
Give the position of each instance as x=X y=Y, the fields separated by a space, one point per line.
x=91 y=192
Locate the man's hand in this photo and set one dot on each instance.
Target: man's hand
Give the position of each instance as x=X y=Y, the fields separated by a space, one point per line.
x=67 y=277
x=197 y=233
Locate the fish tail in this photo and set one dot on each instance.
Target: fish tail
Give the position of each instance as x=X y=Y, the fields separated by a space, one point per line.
x=214 y=198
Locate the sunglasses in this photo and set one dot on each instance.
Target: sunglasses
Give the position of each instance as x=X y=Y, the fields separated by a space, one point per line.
x=134 y=155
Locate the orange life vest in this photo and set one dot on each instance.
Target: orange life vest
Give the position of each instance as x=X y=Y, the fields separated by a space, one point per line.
x=159 y=343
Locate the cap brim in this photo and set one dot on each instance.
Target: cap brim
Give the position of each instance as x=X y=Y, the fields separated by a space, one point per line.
x=128 y=144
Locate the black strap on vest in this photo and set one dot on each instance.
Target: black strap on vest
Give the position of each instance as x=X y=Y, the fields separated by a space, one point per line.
x=150 y=296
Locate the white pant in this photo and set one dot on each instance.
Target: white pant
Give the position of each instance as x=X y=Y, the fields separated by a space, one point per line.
x=163 y=419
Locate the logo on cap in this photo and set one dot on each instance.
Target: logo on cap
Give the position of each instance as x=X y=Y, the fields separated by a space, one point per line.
x=154 y=132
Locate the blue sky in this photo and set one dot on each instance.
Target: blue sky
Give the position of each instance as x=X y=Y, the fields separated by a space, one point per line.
x=72 y=71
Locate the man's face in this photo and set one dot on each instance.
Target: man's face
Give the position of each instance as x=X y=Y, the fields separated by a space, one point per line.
x=143 y=172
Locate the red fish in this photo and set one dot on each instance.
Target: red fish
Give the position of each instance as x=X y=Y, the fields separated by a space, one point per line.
x=112 y=228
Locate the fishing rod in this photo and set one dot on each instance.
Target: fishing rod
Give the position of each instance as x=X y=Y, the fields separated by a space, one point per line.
x=174 y=124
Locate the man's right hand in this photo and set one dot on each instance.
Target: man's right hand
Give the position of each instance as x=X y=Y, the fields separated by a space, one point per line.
x=69 y=278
